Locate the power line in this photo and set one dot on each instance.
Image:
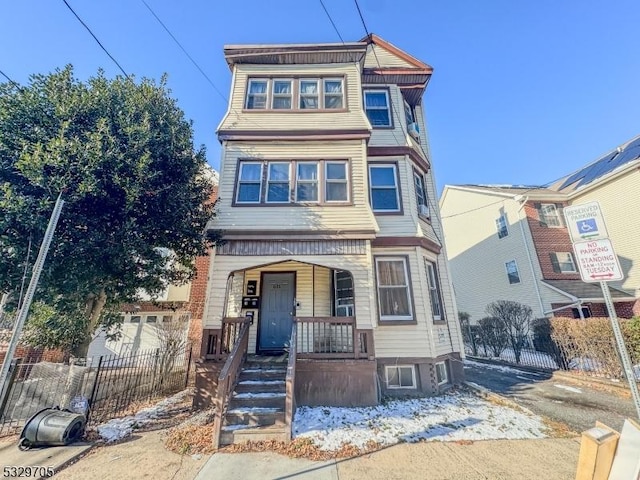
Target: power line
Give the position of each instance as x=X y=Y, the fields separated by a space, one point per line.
x=219 y=92
x=96 y=39
x=331 y=20
x=15 y=84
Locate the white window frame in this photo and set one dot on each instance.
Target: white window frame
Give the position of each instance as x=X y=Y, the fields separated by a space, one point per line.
x=421 y=196
x=319 y=86
x=327 y=180
x=266 y=93
x=414 y=384
x=240 y=181
x=269 y=181
x=445 y=380
x=550 y=215
x=387 y=108
x=138 y=317
x=326 y=94
x=506 y=266
x=435 y=295
x=407 y=288
x=571 y=261
x=275 y=95
x=317 y=182
x=501 y=223
x=155 y=319
x=347 y=308
x=396 y=187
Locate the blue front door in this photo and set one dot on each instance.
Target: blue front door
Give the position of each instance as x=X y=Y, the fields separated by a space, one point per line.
x=276 y=311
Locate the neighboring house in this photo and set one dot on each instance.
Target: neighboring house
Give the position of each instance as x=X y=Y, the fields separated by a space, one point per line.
x=511 y=242
x=329 y=220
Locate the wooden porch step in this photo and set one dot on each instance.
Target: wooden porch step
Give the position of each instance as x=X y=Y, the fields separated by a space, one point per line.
x=243 y=435
x=260 y=386
x=260 y=400
x=255 y=417
x=262 y=374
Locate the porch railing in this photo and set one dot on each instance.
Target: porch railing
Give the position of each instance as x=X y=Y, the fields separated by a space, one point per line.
x=229 y=374
x=332 y=337
x=218 y=342
x=290 y=402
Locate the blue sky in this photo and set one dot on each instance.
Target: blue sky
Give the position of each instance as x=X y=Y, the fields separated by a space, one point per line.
x=523 y=92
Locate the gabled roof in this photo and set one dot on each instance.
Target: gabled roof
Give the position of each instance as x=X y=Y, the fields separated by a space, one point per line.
x=614 y=160
x=532 y=191
x=412 y=63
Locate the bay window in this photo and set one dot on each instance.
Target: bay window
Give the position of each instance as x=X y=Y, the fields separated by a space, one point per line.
x=394 y=296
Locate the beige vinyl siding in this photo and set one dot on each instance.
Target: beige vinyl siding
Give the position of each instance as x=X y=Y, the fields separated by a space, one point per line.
x=620 y=204
x=358 y=265
x=390 y=136
x=178 y=293
x=387 y=59
x=240 y=119
x=411 y=340
x=477 y=256
x=354 y=217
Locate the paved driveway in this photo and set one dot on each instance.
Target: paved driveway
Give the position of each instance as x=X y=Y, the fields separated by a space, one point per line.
x=575 y=405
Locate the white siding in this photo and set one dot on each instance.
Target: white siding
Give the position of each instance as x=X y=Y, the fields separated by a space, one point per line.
x=620 y=204
x=355 y=217
x=380 y=57
x=351 y=119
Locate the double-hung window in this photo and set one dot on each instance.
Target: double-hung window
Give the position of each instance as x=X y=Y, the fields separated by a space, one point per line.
x=377 y=107
x=257 y=94
x=333 y=94
x=501 y=225
x=249 y=182
x=394 y=296
x=433 y=282
x=562 y=262
x=549 y=215
x=421 y=195
x=282 y=94
x=309 y=94
x=336 y=186
x=278 y=182
x=383 y=183
x=512 y=272
x=307 y=182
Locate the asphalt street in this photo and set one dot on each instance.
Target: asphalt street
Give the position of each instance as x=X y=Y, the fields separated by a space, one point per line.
x=575 y=405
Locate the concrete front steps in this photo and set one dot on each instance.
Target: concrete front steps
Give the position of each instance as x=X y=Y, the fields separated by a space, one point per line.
x=257 y=406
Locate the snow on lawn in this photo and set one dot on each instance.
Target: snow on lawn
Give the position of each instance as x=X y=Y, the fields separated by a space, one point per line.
x=456 y=415
x=118 y=428
x=501 y=368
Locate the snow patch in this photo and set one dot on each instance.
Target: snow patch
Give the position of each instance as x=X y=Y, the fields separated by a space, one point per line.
x=451 y=417
x=501 y=368
x=567 y=388
x=261 y=382
x=118 y=428
x=260 y=395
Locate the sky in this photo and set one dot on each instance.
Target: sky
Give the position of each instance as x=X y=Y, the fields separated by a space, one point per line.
x=523 y=92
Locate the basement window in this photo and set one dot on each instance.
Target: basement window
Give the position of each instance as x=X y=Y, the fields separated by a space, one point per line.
x=400 y=376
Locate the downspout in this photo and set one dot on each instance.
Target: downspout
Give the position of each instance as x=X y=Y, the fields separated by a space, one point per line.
x=522 y=200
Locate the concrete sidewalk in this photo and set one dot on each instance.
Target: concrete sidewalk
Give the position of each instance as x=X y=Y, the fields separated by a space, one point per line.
x=56 y=457
x=550 y=459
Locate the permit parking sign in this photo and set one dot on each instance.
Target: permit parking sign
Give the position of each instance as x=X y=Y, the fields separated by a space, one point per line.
x=597 y=261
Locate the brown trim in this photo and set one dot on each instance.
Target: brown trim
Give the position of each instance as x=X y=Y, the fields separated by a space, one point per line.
x=366 y=88
x=423 y=242
x=293 y=175
x=396 y=71
x=294 y=110
x=400 y=151
x=283 y=234
x=337 y=134
x=293 y=314
x=399 y=187
x=414 y=320
x=372 y=38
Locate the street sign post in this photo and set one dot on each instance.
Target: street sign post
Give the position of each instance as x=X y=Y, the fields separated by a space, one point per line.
x=598 y=262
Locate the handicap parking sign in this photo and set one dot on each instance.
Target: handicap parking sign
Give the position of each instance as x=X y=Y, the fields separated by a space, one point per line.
x=587 y=226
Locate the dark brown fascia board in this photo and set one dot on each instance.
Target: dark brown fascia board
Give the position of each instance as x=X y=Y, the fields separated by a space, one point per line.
x=261 y=234
x=293 y=134
x=376 y=40
x=407 y=242
x=400 y=151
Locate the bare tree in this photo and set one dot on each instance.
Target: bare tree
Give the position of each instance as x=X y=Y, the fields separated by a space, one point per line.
x=517 y=322
x=493 y=335
x=172 y=342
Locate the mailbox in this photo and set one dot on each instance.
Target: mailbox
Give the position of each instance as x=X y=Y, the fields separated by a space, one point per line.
x=250 y=302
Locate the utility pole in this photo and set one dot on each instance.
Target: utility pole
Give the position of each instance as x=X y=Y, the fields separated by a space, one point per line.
x=33 y=283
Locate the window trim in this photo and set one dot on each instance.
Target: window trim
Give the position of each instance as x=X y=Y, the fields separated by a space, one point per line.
x=295 y=94
x=433 y=275
x=395 y=319
x=290 y=95
x=155 y=319
x=236 y=199
x=322 y=201
x=267 y=181
x=324 y=80
x=417 y=174
x=503 y=217
x=394 y=165
x=387 y=92
x=446 y=373
x=414 y=385
x=559 y=263
x=318 y=181
x=138 y=317
x=326 y=181
x=319 y=85
x=545 y=219
x=506 y=266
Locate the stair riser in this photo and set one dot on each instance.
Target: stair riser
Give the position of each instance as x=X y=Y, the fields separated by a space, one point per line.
x=261 y=388
x=261 y=377
x=257 y=420
x=239 y=436
x=268 y=402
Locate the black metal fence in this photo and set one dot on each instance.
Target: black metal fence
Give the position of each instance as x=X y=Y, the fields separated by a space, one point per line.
x=111 y=385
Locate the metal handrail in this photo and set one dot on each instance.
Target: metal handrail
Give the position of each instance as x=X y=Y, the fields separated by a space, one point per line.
x=290 y=402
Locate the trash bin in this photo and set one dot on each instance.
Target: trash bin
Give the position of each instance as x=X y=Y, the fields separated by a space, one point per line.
x=52 y=427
